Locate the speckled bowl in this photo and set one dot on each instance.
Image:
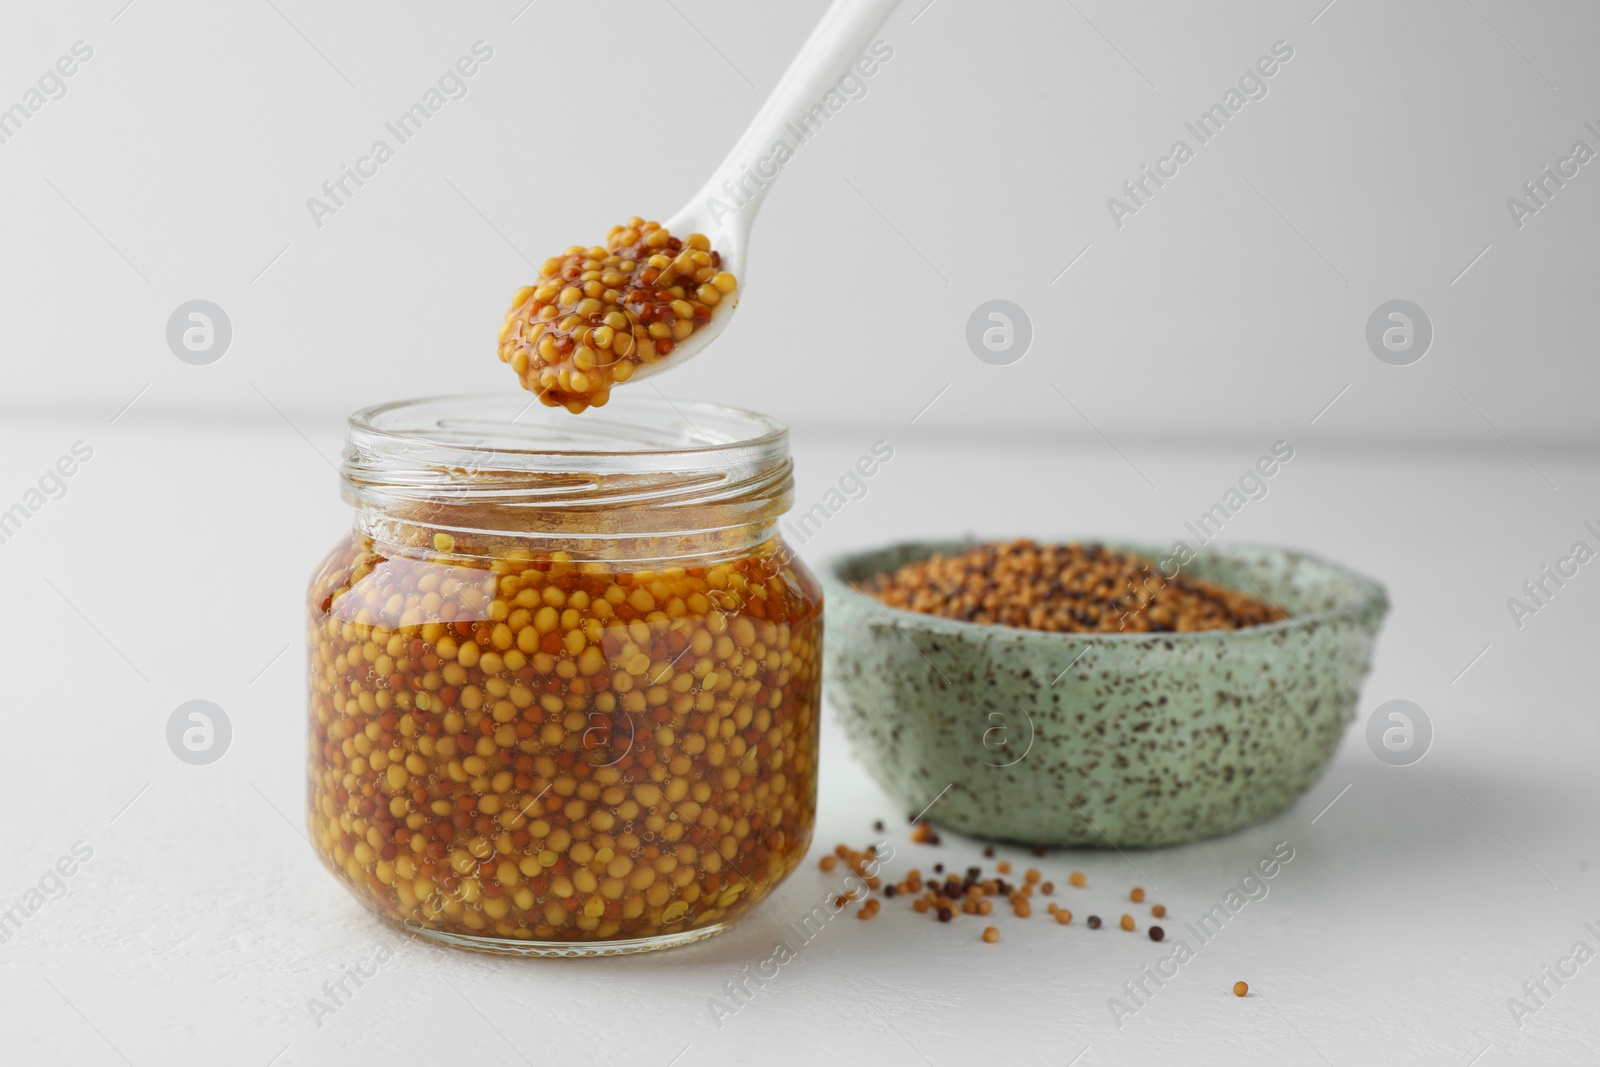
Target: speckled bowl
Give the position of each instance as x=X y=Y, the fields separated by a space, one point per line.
x=1124 y=739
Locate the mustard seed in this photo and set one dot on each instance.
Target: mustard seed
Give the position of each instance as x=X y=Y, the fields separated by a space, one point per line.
x=1156 y=933
x=1137 y=896
x=1094 y=922
x=1072 y=588
x=1159 y=911
x=990 y=934
x=1240 y=989
x=1127 y=922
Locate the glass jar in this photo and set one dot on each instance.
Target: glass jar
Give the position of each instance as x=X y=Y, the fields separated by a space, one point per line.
x=564 y=673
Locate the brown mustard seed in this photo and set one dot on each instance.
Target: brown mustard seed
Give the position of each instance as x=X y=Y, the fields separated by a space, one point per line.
x=990 y=934
x=945 y=914
x=1240 y=989
x=1094 y=922
x=597 y=314
x=1156 y=933
x=1047 y=888
x=1137 y=896
x=1127 y=922
x=1072 y=588
x=1159 y=911
x=988 y=853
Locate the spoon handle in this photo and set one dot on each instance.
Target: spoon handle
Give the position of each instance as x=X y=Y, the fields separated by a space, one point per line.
x=840 y=38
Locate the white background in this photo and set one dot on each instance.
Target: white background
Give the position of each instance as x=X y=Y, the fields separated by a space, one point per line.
x=1227 y=314
x=981 y=160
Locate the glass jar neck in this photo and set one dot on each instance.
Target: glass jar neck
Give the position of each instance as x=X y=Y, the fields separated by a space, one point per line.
x=646 y=479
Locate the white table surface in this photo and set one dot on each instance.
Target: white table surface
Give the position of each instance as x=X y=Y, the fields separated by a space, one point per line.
x=198 y=932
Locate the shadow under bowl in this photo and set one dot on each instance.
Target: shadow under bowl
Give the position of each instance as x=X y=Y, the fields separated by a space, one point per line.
x=1096 y=739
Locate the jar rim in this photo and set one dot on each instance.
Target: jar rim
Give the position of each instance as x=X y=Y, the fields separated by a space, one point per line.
x=642 y=462
x=678 y=427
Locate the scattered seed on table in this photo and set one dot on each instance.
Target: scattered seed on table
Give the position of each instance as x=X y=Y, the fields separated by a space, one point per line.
x=878 y=826
x=1063 y=916
x=1078 y=880
x=1003 y=867
x=1137 y=896
x=1094 y=922
x=988 y=853
x=1127 y=922
x=1156 y=933
x=828 y=863
x=945 y=915
x=990 y=934
x=1047 y=888
x=1159 y=911
x=1240 y=988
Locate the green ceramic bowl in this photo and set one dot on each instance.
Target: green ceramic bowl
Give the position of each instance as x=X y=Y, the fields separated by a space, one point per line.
x=1124 y=739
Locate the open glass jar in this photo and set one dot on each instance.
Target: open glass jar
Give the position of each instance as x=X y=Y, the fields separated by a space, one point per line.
x=564 y=674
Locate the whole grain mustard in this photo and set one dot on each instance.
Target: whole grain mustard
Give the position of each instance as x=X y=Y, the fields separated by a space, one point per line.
x=517 y=745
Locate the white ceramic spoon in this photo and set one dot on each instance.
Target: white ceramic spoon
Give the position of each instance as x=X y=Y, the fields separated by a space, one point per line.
x=839 y=40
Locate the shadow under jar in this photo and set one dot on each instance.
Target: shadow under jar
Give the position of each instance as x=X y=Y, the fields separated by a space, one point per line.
x=564 y=674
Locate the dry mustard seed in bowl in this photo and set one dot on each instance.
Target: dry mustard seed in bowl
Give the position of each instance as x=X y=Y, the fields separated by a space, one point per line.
x=1218 y=702
x=598 y=314
x=1073 y=588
